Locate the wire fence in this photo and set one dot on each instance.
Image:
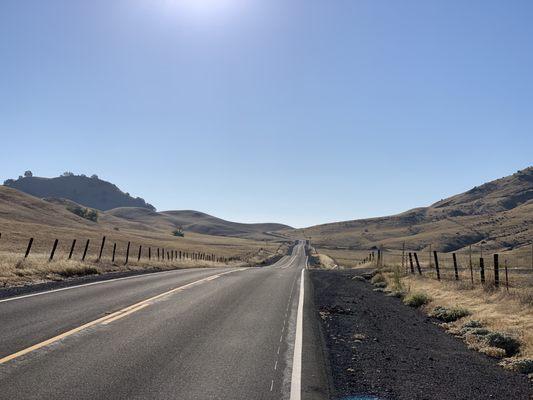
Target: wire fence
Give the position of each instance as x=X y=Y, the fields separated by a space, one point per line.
x=478 y=267
x=116 y=252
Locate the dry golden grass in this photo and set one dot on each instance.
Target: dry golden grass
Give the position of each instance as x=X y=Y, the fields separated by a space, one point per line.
x=17 y=271
x=498 y=310
x=23 y=216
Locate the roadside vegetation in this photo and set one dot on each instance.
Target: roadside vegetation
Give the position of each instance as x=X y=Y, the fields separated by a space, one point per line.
x=498 y=324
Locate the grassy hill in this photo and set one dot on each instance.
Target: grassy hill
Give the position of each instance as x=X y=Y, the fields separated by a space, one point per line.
x=23 y=216
x=498 y=213
x=90 y=192
x=195 y=221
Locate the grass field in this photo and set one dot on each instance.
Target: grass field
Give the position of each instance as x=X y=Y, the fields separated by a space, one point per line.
x=23 y=217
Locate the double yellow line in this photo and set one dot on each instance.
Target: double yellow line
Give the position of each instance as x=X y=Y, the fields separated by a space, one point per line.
x=109 y=318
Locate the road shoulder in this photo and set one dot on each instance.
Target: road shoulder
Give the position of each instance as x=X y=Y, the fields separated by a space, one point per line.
x=379 y=347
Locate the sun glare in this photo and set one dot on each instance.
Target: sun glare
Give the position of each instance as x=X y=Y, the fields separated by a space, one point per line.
x=204 y=8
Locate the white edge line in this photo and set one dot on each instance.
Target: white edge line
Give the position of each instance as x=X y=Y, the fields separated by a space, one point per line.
x=296 y=379
x=95 y=283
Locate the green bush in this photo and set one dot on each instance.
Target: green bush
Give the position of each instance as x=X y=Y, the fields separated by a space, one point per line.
x=87 y=213
x=416 y=299
x=503 y=341
x=449 y=314
x=380 y=285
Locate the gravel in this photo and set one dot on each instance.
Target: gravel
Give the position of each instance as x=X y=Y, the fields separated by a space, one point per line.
x=379 y=347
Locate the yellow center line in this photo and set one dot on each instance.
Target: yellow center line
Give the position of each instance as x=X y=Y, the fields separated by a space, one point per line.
x=124 y=314
x=108 y=318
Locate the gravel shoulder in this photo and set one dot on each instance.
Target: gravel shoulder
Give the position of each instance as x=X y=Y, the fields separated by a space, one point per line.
x=377 y=346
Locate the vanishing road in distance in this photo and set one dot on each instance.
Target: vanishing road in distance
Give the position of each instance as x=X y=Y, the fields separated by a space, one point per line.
x=184 y=334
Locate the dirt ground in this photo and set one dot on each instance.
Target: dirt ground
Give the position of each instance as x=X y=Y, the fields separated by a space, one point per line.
x=379 y=347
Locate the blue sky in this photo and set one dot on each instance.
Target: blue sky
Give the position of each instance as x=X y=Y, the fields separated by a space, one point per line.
x=300 y=112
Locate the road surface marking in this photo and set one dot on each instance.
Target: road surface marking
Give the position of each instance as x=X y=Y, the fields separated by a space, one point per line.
x=276 y=365
x=111 y=317
x=125 y=313
x=296 y=379
x=272 y=385
x=84 y=285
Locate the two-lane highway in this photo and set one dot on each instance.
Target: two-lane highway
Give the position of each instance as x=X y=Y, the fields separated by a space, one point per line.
x=187 y=334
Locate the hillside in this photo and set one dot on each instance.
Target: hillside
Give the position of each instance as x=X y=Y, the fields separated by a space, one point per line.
x=195 y=221
x=498 y=213
x=90 y=192
x=23 y=216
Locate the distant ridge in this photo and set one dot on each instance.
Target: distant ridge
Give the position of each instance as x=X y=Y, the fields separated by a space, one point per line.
x=497 y=213
x=90 y=192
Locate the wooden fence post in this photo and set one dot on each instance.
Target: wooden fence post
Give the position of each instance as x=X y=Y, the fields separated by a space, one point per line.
x=482 y=270
x=418 y=264
x=28 y=249
x=404 y=268
x=114 y=252
x=470 y=264
x=496 y=271
x=410 y=262
x=85 y=250
x=158 y=254
x=127 y=253
x=506 y=276
x=101 y=249
x=455 y=267
x=72 y=249
x=436 y=264
x=140 y=252
x=149 y=253
x=54 y=247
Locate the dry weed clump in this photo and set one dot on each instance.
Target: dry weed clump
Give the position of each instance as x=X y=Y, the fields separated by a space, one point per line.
x=416 y=300
x=446 y=314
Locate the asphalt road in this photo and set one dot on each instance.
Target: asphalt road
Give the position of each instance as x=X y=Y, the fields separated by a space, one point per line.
x=186 y=334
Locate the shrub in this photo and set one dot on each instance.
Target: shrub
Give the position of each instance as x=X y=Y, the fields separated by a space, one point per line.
x=178 y=232
x=378 y=278
x=524 y=366
x=494 y=352
x=86 y=213
x=479 y=331
x=474 y=323
x=416 y=299
x=503 y=341
x=449 y=314
x=381 y=285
